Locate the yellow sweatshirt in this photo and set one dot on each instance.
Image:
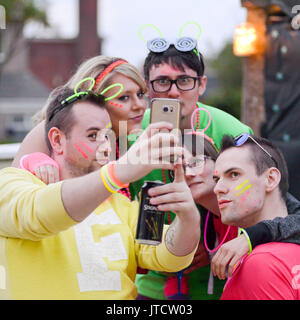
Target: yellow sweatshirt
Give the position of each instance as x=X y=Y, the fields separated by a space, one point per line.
x=44 y=254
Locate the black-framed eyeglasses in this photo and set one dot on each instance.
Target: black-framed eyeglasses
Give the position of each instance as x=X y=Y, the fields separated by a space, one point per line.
x=241 y=139
x=186 y=83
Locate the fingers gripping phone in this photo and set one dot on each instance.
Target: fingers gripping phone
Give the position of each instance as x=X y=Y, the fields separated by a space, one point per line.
x=168 y=110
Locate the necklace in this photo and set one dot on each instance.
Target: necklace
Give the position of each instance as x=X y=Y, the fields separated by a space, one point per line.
x=205 y=229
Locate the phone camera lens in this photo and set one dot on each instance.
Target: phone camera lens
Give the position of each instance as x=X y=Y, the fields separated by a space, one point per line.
x=165 y=109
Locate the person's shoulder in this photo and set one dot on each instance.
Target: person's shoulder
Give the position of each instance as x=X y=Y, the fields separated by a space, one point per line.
x=12 y=172
x=218 y=113
x=227 y=120
x=272 y=259
x=276 y=247
x=264 y=274
x=287 y=253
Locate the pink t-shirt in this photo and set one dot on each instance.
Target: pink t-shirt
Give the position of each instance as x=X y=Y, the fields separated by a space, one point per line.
x=270 y=272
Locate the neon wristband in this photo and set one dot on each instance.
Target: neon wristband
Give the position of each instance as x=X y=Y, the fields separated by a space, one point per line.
x=110 y=168
x=241 y=230
x=105 y=183
x=109 y=178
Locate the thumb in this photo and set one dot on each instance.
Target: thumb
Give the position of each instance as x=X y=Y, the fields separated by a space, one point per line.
x=179 y=173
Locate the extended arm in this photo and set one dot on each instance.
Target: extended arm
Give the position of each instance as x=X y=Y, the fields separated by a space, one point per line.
x=32 y=210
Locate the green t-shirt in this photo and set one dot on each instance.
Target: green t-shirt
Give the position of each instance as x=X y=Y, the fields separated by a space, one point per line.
x=152 y=283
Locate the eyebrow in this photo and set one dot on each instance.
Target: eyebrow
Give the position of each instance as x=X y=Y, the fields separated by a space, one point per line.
x=166 y=77
x=227 y=171
x=230 y=169
x=93 y=129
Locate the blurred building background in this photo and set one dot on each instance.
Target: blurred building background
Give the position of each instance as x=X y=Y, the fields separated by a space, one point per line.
x=271 y=82
x=33 y=67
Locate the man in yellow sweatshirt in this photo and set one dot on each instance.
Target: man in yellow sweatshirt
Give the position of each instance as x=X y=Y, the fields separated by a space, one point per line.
x=74 y=239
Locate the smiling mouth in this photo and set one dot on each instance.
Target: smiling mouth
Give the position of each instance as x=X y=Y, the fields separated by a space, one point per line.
x=138 y=116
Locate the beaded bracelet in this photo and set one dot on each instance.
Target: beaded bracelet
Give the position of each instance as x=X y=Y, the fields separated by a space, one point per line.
x=241 y=230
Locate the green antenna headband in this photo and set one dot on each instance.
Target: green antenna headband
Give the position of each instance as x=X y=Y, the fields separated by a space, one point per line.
x=182 y=44
x=79 y=95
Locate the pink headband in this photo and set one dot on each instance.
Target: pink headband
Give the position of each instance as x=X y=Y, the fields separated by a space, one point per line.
x=106 y=71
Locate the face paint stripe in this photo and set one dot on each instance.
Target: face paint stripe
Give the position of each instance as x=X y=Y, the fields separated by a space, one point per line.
x=84 y=145
x=116 y=104
x=241 y=185
x=80 y=150
x=246 y=188
x=244 y=197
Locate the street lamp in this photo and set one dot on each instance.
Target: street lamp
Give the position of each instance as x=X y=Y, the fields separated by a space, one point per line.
x=249 y=40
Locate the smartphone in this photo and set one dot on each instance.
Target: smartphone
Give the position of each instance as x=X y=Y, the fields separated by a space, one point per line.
x=168 y=110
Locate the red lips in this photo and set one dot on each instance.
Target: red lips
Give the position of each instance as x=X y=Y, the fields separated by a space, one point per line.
x=223 y=203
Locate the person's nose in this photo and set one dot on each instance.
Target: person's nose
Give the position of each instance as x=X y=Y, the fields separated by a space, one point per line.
x=220 y=188
x=139 y=104
x=174 y=92
x=189 y=172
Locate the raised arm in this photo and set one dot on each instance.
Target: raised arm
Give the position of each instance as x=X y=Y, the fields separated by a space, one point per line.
x=183 y=234
x=33 y=142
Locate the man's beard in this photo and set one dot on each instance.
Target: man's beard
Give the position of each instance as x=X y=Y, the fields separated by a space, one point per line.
x=74 y=170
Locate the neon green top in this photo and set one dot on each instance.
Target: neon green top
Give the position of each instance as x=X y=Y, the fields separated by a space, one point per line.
x=152 y=283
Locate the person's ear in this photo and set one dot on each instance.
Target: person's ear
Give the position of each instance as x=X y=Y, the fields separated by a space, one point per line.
x=56 y=138
x=202 y=86
x=273 y=178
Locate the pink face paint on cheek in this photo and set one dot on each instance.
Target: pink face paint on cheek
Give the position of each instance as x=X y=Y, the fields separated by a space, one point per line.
x=116 y=104
x=84 y=145
x=81 y=151
x=244 y=197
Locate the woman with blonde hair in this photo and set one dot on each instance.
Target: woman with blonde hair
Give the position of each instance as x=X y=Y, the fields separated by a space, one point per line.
x=129 y=105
